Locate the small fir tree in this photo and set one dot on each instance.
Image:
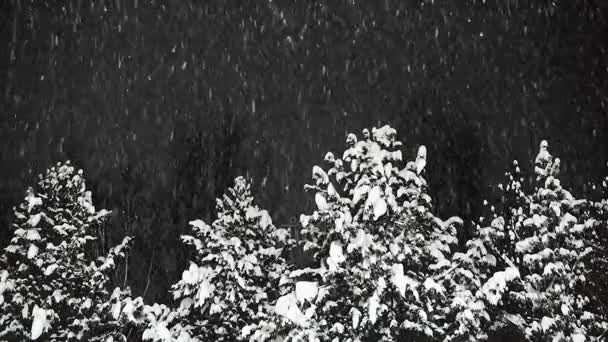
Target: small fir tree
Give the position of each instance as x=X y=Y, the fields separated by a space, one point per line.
x=226 y=293
x=534 y=259
x=52 y=287
x=385 y=271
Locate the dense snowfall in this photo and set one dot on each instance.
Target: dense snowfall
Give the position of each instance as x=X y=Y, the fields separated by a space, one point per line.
x=387 y=268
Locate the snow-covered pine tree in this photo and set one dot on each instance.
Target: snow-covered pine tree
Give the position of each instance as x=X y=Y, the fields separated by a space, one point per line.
x=226 y=293
x=487 y=267
x=385 y=270
x=534 y=258
x=599 y=274
x=52 y=287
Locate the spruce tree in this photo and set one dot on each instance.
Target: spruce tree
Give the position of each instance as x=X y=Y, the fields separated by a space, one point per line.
x=53 y=284
x=535 y=258
x=227 y=291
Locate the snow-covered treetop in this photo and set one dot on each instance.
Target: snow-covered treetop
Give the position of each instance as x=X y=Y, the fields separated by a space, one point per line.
x=369 y=181
x=60 y=210
x=384 y=257
x=58 y=278
x=66 y=185
x=233 y=276
x=534 y=258
x=370 y=184
x=544 y=164
x=236 y=210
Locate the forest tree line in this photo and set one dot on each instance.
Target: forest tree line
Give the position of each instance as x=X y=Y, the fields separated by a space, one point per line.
x=164 y=103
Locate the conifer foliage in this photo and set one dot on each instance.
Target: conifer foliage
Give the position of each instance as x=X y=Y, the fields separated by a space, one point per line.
x=385 y=269
x=225 y=293
x=52 y=285
x=535 y=257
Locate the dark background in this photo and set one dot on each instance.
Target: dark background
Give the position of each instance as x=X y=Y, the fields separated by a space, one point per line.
x=163 y=103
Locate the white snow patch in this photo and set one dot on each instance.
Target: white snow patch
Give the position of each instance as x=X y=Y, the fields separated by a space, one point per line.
x=374 y=195
x=431 y=284
x=265 y=220
x=339 y=223
x=495 y=286
x=359 y=191
x=32 y=251
x=32 y=235
x=116 y=309
x=34 y=220
x=321 y=201
x=384 y=135
x=186 y=303
x=356 y=316
x=546 y=323
x=373 y=304
x=527 y=244
x=379 y=208
x=403 y=282
x=162 y=333
x=304 y=220
x=49 y=270
x=578 y=337
x=337 y=327
x=319 y=175
x=306 y=291
x=32 y=201
x=287 y=306
x=336 y=255
x=190 y=276
x=38 y=322
x=3 y=285
x=362 y=242
x=331 y=190
x=421 y=159
x=251 y=213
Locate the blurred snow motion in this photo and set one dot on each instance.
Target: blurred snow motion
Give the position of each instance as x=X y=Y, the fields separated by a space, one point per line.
x=165 y=104
x=384 y=265
x=168 y=103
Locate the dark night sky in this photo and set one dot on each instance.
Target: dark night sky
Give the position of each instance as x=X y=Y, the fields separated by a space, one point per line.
x=163 y=103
